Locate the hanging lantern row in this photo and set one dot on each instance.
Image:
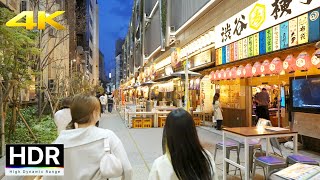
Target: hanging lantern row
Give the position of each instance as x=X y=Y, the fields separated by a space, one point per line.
x=303 y=62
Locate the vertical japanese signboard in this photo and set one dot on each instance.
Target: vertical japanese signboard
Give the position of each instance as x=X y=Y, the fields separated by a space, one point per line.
x=240 y=49
x=276 y=37
x=250 y=46
x=284 y=35
x=256 y=44
x=262 y=42
x=314 y=25
x=235 y=47
x=303 y=29
x=245 y=48
x=293 y=32
x=231 y=52
x=269 y=44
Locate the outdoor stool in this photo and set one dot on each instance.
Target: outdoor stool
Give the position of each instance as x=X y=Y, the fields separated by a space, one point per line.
x=229 y=147
x=269 y=162
x=146 y=123
x=136 y=122
x=297 y=158
x=162 y=121
x=197 y=121
x=253 y=145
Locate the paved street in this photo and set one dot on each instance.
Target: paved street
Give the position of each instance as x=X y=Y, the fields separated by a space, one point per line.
x=143 y=146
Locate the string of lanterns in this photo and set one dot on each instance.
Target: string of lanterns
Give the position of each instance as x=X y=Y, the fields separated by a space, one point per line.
x=303 y=62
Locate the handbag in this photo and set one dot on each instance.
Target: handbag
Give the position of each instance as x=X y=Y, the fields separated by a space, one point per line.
x=110 y=165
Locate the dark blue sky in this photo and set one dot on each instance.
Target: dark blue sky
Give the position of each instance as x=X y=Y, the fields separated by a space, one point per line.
x=114 y=17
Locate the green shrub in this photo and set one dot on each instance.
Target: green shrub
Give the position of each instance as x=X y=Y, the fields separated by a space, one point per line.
x=44 y=129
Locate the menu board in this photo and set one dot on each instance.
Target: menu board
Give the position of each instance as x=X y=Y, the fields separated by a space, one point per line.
x=230 y=96
x=284 y=35
x=245 y=48
x=314 y=25
x=262 y=42
x=231 y=52
x=240 y=51
x=269 y=44
x=235 y=47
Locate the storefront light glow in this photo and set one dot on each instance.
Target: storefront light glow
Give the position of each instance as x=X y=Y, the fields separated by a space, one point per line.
x=303 y=61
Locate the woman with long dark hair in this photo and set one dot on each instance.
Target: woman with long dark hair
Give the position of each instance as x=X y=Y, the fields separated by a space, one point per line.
x=217 y=111
x=184 y=157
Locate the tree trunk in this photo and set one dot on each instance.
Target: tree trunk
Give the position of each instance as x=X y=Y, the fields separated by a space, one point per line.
x=2 y=122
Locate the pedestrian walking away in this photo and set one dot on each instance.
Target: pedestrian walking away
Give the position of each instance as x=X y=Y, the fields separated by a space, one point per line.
x=179 y=162
x=91 y=152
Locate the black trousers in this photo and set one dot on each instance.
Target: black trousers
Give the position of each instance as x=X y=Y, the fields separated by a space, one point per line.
x=219 y=124
x=110 y=106
x=263 y=112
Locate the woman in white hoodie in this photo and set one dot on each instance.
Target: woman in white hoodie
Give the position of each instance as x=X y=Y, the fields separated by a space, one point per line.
x=84 y=144
x=184 y=157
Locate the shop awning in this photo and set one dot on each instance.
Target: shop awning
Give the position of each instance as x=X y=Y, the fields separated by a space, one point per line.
x=164 y=78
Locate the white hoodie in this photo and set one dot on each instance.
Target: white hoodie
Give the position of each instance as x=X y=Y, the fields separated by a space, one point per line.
x=83 y=151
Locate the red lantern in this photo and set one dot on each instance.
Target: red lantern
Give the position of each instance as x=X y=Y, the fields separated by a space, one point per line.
x=289 y=64
x=217 y=75
x=276 y=66
x=315 y=60
x=222 y=74
x=228 y=73
x=234 y=73
x=212 y=76
x=264 y=68
x=247 y=71
x=240 y=71
x=303 y=61
x=256 y=69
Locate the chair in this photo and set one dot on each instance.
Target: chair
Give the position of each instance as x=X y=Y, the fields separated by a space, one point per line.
x=297 y=158
x=230 y=146
x=255 y=144
x=270 y=162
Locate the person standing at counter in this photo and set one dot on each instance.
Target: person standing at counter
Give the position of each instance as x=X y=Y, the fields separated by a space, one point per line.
x=263 y=99
x=217 y=111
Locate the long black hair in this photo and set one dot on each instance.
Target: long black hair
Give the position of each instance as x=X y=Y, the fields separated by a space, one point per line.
x=188 y=158
x=215 y=98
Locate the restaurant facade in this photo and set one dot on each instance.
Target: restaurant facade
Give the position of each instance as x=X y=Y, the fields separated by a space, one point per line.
x=238 y=47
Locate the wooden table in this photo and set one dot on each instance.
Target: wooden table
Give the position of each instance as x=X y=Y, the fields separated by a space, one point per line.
x=248 y=133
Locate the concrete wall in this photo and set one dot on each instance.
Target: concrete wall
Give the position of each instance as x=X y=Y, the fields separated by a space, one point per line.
x=216 y=15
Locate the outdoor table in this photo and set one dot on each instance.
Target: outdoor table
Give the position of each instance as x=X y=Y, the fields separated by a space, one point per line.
x=141 y=113
x=248 y=133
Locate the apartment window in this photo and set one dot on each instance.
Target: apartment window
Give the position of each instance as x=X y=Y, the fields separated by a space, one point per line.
x=23 y=6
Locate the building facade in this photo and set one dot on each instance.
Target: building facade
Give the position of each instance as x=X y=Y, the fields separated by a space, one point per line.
x=102 y=71
x=222 y=40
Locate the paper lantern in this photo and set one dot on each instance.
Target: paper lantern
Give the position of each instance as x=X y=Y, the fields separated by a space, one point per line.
x=303 y=61
x=264 y=68
x=212 y=76
x=289 y=64
x=275 y=66
x=234 y=73
x=240 y=71
x=228 y=73
x=315 y=60
x=247 y=71
x=221 y=74
x=256 y=71
x=217 y=75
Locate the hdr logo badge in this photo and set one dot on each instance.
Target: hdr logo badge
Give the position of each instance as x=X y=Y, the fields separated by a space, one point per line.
x=43 y=18
x=34 y=160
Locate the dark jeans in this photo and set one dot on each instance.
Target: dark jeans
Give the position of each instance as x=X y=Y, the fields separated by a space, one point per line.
x=110 y=106
x=219 y=124
x=263 y=112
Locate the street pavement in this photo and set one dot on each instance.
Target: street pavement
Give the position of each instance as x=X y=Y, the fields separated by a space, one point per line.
x=143 y=146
